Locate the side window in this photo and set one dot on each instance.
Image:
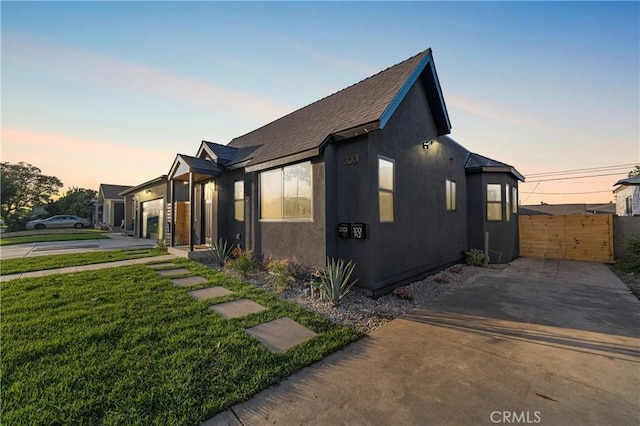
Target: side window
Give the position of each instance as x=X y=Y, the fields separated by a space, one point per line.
x=238 y=200
x=451 y=195
x=386 y=185
x=494 y=202
x=514 y=200
x=507 y=196
x=286 y=193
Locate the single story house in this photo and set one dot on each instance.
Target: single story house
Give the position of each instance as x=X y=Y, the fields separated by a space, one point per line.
x=366 y=174
x=145 y=208
x=627 y=196
x=567 y=209
x=109 y=210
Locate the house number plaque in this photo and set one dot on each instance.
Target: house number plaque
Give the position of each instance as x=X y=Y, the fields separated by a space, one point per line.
x=344 y=230
x=351 y=159
x=359 y=231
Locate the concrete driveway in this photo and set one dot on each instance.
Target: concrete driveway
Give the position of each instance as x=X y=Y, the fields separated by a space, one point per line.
x=114 y=242
x=541 y=342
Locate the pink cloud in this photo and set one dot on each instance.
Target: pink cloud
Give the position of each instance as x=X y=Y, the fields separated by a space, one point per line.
x=84 y=163
x=81 y=65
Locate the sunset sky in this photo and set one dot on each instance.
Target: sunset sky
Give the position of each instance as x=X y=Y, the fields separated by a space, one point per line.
x=97 y=92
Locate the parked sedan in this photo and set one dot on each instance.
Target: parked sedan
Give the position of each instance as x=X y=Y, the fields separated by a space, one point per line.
x=59 y=221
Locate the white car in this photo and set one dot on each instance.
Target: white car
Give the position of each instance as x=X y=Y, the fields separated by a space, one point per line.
x=59 y=221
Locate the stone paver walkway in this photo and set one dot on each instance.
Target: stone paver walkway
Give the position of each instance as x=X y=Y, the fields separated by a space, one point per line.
x=209 y=292
x=188 y=281
x=237 y=308
x=171 y=272
x=281 y=334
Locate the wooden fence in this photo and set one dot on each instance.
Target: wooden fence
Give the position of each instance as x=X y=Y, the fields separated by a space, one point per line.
x=568 y=237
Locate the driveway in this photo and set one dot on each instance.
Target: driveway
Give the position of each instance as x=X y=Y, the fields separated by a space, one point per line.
x=114 y=242
x=548 y=342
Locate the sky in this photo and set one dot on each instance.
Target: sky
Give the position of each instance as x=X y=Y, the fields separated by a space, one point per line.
x=110 y=92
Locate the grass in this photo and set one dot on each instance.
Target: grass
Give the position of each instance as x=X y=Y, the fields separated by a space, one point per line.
x=125 y=346
x=39 y=263
x=43 y=237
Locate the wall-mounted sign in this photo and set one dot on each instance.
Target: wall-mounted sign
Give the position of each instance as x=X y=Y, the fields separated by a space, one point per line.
x=351 y=159
x=344 y=230
x=359 y=231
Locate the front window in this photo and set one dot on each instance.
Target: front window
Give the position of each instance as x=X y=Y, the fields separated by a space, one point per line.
x=514 y=200
x=628 y=206
x=494 y=201
x=238 y=200
x=385 y=189
x=286 y=193
x=450 y=195
x=507 y=195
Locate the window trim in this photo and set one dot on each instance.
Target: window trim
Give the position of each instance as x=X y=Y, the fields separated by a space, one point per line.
x=494 y=202
x=514 y=200
x=451 y=202
x=283 y=218
x=235 y=200
x=507 y=201
x=391 y=191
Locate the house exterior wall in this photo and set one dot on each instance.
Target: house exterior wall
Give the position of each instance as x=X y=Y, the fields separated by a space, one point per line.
x=621 y=195
x=424 y=236
x=503 y=235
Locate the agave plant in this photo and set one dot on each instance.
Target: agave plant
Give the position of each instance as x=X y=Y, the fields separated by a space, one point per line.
x=334 y=280
x=220 y=252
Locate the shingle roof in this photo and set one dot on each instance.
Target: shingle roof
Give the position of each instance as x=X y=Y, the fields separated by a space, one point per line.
x=307 y=128
x=477 y=162
x=112 y=192
x=634 y=180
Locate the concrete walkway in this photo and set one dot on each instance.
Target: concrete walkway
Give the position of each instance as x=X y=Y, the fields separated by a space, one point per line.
x=114 y=242
x=549 y=342
x=92 y=267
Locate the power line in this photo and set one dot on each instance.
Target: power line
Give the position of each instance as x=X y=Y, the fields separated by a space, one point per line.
x=566 y=193
x=574 y=177
x=589 y=169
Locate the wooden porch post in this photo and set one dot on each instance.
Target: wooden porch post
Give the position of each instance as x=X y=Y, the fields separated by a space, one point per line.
x=172 y=220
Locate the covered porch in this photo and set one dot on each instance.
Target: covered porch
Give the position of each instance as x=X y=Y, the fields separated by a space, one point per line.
x=192 y=220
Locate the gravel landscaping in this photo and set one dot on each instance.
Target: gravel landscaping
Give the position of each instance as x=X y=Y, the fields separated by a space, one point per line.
x=362 y=312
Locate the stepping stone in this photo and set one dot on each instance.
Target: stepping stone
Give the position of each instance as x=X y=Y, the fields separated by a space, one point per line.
x=281 y=334
x=237 y=308
x=169 y=272
x=187 y=281
x=209 y=292
x=160 y=265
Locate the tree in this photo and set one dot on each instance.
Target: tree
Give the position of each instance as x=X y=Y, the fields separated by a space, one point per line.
x=24 y=186
x=77 y=201
x=635 y=171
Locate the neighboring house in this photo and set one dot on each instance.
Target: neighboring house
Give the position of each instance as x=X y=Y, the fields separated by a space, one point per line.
x=627 y=196
x=145 y=208
x=366 y=174
x=567 y=209
x=110 y=205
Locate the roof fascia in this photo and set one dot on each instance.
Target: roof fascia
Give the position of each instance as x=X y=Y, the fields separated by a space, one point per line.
x=283 y=160
x=488 y=169
x=144 y=185
x=417 y=72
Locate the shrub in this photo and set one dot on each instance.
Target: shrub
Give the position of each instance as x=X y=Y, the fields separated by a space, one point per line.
x=244 y=263
x=220 y=252
x=475 y=257
x=17 y=222
x=281 y=272
x=334 y=280
x=631 y=262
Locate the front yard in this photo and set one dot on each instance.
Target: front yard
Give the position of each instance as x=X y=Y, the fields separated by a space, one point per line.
x=125 y=346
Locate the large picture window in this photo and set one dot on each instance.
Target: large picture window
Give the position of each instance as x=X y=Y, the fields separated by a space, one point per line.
x=286 y=193
x=386 y=189
x=450 y=195
x=238 y=200
x=494 y=201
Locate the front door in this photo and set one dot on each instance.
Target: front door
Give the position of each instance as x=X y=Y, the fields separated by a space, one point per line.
x=210 y=208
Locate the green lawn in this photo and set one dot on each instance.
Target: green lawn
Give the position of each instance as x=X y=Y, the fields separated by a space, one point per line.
x=125 y=346
x=40 y=263
x=37 y=238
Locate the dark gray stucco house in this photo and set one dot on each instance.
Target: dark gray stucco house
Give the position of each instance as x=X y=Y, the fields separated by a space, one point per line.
x=366 y=174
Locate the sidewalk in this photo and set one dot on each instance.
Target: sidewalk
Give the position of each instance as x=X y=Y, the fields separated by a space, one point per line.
x=114 y=242
x=92 y=267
